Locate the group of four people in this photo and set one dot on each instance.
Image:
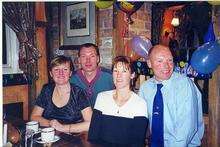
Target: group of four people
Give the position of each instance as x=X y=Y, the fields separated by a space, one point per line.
x=94 y=99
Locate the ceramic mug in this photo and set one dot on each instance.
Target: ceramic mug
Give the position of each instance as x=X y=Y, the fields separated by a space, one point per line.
x=47 y=134
x=32 y=125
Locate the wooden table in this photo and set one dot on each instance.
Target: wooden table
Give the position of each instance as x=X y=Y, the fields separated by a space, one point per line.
x=65 y=140
x=70 y=141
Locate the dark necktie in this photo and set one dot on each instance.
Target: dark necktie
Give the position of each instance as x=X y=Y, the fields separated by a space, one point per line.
x=157 y=139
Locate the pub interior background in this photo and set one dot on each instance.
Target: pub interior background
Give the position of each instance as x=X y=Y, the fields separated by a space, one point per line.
x=35 y=32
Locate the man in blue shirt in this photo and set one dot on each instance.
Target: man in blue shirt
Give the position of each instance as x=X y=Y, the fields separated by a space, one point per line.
x=183 y=124
x=91 y=77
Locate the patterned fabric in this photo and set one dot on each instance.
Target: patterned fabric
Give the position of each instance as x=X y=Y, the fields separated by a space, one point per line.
x=157 y=139
x=102 y=82
x=71 y=112
x=19 y=16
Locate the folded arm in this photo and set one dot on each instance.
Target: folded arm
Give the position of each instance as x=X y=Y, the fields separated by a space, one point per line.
x=36 y=115
x=77 y=127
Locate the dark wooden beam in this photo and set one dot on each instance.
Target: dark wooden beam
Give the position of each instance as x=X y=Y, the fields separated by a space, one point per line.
x=69 y=47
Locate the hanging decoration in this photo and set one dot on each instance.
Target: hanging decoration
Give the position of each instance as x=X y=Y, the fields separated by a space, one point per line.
x=103 y=4
x=206 y=58
x=130 y=53
x=129 y=8
x=186 y=69
x=141 y=46
x=210 y=35
x=214 y=2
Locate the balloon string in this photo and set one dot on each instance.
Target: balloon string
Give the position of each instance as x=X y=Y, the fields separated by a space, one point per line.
x=129 y=20
x=125 y=33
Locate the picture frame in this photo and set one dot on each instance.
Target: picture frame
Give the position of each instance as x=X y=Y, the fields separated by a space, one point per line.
x=77 y=19
x=71 y=39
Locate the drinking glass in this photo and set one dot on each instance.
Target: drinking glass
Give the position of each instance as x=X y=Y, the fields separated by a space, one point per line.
x=29 y=134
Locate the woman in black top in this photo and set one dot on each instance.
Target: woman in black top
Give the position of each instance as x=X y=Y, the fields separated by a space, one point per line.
x=62 y=105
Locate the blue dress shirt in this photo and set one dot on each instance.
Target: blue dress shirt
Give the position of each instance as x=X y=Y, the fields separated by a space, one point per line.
x=183 y=118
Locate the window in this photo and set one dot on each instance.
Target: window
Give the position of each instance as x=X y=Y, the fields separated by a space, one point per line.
x=10 y=51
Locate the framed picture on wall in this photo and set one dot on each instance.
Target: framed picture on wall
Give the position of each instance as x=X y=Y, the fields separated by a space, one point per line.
x=77 y=19
x=77 y=24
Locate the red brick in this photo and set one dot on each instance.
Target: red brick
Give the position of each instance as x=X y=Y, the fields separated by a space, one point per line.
x=108 y=23
x=148 y=6
x=132 y=33
x=106 y=33
x=148 y=25
x=106 y=14
x=143 y=33
x=134 y=16
x=141 y=8
x=138 y=24
x=100 y=24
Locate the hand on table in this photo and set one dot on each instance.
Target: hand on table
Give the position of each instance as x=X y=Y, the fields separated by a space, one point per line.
x=56 y=125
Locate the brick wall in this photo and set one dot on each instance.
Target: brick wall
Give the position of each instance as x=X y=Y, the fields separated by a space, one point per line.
x=140 y=27
x=105 y=36
x=142 y=22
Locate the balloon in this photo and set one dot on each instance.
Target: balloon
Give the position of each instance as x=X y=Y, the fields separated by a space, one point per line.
x=130 y=53
x=210 y=35
x=129 y=8
x=214 y=2
x=206 y=58
x=140 y=46
x=103 y=4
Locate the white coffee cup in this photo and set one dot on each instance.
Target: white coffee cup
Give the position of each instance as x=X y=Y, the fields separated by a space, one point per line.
x=47 y=134
x=32 y=125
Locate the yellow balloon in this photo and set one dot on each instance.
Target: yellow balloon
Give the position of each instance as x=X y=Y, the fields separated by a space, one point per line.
x=128 y=6
x=104 y=4
x=214 y=2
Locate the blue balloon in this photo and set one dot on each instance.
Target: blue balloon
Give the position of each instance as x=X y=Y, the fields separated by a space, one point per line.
x=206 y=58
x=210 y=35
x=141 y=46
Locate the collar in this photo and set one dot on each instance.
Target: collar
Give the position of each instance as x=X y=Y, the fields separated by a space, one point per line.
x=165 y=83
x=83 y=78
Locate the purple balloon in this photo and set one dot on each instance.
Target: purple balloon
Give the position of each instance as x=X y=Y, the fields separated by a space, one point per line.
x=140 y=46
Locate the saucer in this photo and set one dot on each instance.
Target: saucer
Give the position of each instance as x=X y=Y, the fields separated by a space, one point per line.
x=38 y=140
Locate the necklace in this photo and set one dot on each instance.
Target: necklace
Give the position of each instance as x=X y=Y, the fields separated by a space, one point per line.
x=121 y=100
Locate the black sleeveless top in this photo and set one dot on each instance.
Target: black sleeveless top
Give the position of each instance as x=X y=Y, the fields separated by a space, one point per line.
x=71 y=112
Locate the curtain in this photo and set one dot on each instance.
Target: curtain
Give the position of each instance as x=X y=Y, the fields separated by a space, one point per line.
x=20 y=17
